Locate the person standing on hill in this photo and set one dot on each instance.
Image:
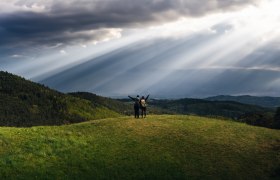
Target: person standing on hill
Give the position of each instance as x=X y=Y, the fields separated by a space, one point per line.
x=143 y=106
x=136 y=105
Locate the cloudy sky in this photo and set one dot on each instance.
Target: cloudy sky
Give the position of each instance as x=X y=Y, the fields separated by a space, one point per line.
x=167 y=48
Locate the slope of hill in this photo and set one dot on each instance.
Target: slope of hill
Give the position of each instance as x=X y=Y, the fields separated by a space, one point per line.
x=158 y=147
x=115 y=105
x=25 y=103
x=271 y=102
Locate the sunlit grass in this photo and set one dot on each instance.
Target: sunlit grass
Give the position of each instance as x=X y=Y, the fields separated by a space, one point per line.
x=158 y=147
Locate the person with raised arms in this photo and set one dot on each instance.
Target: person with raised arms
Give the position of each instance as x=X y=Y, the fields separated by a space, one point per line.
x=136 y=105
x=143 y=106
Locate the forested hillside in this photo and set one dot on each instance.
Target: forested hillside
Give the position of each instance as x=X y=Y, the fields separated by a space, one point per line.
x=25 y=103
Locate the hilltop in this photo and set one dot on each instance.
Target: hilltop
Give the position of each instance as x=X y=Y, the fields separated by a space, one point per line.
x=158 y=147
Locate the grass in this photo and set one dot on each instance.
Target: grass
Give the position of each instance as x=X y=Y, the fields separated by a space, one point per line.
x=158 y=147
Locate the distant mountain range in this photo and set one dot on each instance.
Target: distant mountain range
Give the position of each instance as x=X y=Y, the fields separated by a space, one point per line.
x=271 y=102
x=229 y=109
x=25 y=103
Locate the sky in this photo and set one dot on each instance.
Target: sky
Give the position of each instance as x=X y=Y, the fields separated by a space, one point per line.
x=166 y=48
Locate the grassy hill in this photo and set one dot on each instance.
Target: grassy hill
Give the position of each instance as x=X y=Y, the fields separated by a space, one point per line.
x=158 y=147
x=271 y=102
x=25 y=103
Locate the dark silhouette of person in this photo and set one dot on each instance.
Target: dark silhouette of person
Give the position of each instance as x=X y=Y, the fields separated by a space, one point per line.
x=143 y=105
x=136 y=105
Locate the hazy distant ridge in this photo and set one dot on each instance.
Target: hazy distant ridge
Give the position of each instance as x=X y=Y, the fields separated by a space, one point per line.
x=265 y=101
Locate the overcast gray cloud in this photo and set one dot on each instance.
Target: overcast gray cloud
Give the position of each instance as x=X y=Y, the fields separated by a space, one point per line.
x=48 y=22
x=209 y=47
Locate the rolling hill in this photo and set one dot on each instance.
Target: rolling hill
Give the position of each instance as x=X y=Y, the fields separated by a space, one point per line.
x=113 y=146
x=25 y=103
x=158 y=147
x=229 y=109
x=250 y=114
x=271 y=102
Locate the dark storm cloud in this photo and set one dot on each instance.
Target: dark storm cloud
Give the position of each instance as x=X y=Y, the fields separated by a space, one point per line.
x=41 y=29
x=70 y=21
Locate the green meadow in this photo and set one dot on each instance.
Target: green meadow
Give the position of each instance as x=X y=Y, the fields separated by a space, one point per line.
x=157 y=147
